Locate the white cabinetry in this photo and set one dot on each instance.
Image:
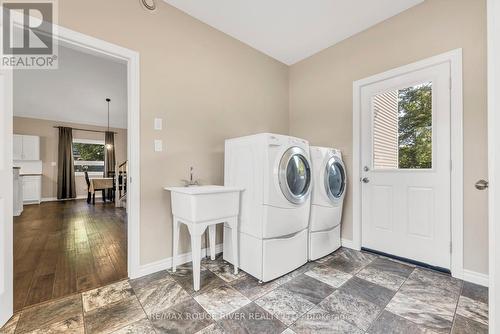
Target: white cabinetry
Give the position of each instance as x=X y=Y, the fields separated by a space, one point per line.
x=32 y=189
x=26 y=147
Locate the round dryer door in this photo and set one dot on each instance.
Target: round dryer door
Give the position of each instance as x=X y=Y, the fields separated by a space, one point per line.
x=335 y=179
x=295 y=175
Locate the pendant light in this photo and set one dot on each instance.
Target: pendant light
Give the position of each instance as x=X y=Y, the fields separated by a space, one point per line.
x=108 y=146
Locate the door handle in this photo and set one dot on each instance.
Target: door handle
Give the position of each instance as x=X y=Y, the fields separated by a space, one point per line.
x=365 y=180
x=482 y=185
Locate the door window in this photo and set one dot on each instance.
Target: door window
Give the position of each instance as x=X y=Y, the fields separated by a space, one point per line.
x=402 y=128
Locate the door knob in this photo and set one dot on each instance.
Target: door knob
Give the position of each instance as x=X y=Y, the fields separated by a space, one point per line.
x=365 y=180
x=482 y=184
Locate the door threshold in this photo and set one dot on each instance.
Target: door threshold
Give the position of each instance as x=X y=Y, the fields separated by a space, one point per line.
x=403 y=259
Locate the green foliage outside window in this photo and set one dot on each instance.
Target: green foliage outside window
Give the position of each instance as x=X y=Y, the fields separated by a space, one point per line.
x=88 y=152
x=415 y=126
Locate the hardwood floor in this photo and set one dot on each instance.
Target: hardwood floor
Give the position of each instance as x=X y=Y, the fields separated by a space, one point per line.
x=66 y=247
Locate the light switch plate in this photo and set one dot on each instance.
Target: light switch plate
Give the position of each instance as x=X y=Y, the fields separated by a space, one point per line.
x=158 y=145
x=158 y=124
x=53 y=163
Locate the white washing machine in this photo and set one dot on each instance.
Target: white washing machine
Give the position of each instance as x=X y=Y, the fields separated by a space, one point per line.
x=329 y=184
x=275 y=172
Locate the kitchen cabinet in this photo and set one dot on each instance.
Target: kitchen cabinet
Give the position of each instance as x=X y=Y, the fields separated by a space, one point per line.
x=32 y=189
x=26 y=147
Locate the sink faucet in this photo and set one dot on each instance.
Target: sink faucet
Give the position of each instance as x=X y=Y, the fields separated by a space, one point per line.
x=191 y=181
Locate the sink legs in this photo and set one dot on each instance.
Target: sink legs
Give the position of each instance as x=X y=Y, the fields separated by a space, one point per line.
x=196 y=251
x=233 y=223
x=176 y=225
x=211 y=236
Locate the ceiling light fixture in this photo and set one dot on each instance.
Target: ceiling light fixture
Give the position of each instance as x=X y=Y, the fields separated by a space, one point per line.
x=108 y=146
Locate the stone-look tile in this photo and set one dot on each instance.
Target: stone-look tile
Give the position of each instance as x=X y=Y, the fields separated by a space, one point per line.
x=47 y=314
x=184 y=271
x=309 y=288
x=285 y=305
x=185 y=318
x=288 y=331
x=251 y=288
x=349 y=261
x=211 y=329
x=221 y=301
x=106 y=295
x=208 y=281
x=466 y=326
x=475 y=292
x=426 y=315
x=356 y=310
x=319 y=320
x=388 y=323
x=385 y=272
x=436 y=279
x=159 y=294
x=473 y=310
x=112 y=317
x=329 y=275
x=435 y=289
x=251 y=319
x=297 y=272
x=145 y=281
x=324 y=258
x=373 y=293
x=72 y=325
x=10 y=326
x=143 y=326
x=224 y=270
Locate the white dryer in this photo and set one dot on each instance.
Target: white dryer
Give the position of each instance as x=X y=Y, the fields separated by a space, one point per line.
x=275 y=173
x=329 y=185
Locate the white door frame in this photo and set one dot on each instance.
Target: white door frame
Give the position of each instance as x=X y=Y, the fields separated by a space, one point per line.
x=96 y=46
x=494 y=160
x=454 y=58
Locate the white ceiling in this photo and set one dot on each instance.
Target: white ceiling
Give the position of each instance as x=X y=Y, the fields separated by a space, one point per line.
x=291 y=30
x=76 y=92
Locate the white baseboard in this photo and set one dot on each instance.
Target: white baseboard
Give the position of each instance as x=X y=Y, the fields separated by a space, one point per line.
x=54 y=199
x=151 y=268
x=475 y=277
x=348 y=244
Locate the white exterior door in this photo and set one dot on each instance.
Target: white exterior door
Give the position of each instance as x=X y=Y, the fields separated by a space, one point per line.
x=406 y=166
x=6 y=194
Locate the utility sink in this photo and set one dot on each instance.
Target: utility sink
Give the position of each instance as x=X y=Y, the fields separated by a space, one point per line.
x=203 y=203
x=202 y=207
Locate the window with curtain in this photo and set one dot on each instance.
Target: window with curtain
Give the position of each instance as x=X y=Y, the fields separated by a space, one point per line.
x=89 y=156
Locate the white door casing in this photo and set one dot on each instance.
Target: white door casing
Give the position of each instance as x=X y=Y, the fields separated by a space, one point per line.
x=454 y=58
x=6 y=194
x=406 y=212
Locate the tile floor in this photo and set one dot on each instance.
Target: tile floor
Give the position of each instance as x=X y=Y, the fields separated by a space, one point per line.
x=345 y=292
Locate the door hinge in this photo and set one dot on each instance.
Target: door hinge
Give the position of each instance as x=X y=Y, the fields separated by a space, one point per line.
x=451 y=164
x=451 y=82
x=451 y=247
x=130 y=179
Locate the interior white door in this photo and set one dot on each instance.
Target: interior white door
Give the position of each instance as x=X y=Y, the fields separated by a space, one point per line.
x=6 y=194
x=406 y=166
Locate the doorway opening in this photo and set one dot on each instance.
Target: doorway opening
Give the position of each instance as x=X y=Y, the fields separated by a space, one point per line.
x=408 y=160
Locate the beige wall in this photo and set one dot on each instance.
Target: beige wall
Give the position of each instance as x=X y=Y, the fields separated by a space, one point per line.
x=321 y=94
x=204 y=84
x=48 y=148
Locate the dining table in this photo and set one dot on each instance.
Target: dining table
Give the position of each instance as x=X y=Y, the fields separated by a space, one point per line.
x=100 y=183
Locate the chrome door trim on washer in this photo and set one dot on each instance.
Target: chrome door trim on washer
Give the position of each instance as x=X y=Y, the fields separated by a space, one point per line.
x=283 y=173
x=335 y=198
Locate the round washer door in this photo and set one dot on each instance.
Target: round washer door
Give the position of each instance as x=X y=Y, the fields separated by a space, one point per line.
x=335 y=179
x=295 y=175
